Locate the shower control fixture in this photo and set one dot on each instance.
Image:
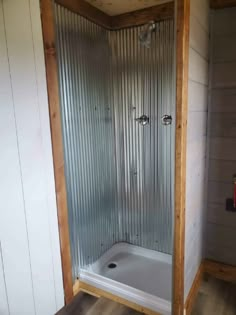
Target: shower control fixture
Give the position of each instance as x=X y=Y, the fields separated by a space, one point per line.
x=166 y=120
x=143 y=120
x=145 y=35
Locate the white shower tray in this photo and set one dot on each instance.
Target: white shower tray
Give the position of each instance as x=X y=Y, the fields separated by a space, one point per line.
x=141 y=276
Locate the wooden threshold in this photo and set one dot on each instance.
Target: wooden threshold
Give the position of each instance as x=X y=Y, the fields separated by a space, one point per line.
x=221 y=4
x=57 y=144
x=182 y=64
x=135 y=18
x=98 y=292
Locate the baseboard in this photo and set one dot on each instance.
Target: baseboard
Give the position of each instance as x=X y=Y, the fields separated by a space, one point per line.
x=220 y=270
x=76 y=287
x=194 y=290
x=215 y=269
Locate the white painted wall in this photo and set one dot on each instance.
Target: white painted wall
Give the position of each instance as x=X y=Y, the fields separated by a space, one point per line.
x=30 y=264
x=221 y=225
x=196 y=139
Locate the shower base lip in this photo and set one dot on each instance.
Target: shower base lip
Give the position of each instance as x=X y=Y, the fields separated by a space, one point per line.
x=93 y=276
x=126 y=292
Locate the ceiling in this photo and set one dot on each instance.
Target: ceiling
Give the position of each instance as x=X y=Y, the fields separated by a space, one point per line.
x=115 y=7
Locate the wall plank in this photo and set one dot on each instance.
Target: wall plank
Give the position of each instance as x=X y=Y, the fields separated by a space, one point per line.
x=13 y=233
x=46 y=149
x=196 y=144
x=28 y=222
x=4 y=308
x=198 y=68
x=223 y=148
x=224 y=75
x=224 y=48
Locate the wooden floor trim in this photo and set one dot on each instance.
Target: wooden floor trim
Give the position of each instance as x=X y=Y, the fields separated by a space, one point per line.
x=194 y=290
x=217 y=270
x=220 y=271
x=101 y=293
x=222 y=4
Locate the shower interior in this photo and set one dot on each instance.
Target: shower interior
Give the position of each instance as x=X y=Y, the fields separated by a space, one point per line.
x=116 y=89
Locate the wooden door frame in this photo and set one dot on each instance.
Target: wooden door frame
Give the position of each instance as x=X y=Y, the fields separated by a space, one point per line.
x=182 y=53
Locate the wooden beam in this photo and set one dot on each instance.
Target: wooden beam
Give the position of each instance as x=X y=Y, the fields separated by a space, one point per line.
x=57 y=144
x=182 y=64
x=220 y=271
x=221 y=4
x=139 y=17
x=88 y=11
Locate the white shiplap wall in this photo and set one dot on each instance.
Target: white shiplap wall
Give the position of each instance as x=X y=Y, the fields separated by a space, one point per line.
x=30 y=264
x=196 y=139
x=221 y=225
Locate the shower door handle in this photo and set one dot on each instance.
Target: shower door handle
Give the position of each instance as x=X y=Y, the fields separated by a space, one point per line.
x=143 y=120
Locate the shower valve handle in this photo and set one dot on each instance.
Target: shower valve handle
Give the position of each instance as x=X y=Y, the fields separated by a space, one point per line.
x=143 y=120
x=166 y=120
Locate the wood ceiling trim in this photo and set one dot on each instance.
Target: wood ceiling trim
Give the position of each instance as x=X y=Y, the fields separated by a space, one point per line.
x=221 y=4
x=135 y=18
x=139 y=17
x=88 y=11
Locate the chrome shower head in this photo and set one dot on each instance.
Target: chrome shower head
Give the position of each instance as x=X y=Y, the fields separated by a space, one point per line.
x=145 y=35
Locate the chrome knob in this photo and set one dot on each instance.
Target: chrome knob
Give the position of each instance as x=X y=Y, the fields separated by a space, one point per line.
x=143 y=120
x=166 y=120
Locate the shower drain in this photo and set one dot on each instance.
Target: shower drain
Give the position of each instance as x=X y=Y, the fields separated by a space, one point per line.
x=112 y=265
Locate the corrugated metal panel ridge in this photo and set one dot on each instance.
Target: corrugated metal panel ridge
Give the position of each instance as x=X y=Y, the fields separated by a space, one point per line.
x=118 y=173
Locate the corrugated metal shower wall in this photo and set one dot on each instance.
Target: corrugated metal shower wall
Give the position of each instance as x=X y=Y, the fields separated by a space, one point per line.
x=118 y=173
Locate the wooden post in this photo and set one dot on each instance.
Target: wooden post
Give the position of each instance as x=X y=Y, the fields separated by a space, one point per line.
x=57 y=143
x=182 y=63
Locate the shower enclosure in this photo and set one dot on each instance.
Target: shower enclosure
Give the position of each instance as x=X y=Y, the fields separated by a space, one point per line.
x=118 y=113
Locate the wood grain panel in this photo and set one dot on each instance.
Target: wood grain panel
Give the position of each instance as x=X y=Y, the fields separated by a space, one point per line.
x=182 y=62
x=88 y=11
x=220 y=271
x=223 y=148
x=57 y=143
x=223 y=101
x=220 y=4
x=223 y=125
x=217 y=215
x=156 y=13
x=224 y=75
x=222 y=171
x=224 y=48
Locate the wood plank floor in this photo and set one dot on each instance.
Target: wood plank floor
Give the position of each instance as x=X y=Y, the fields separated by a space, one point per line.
x=85 y=304
x=215 y=297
